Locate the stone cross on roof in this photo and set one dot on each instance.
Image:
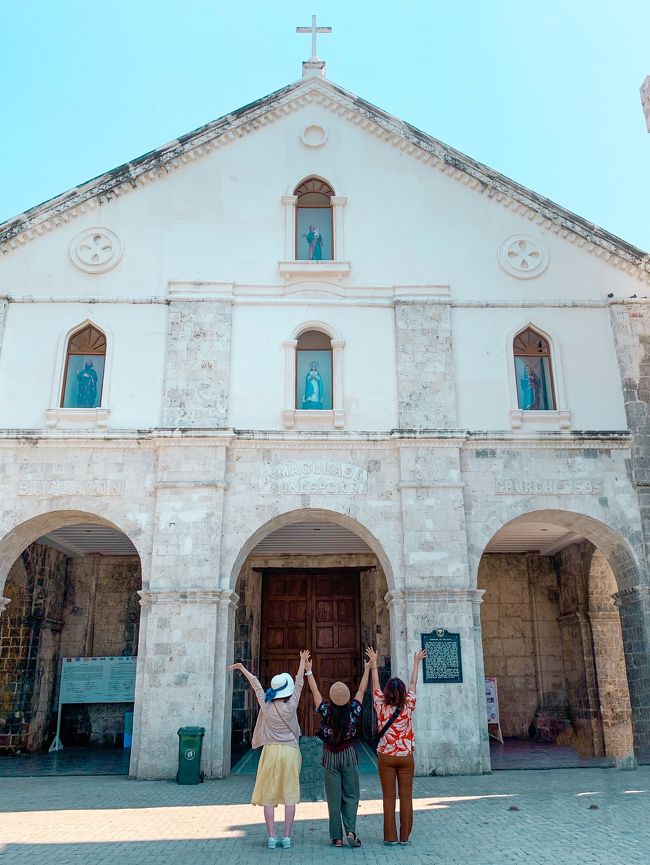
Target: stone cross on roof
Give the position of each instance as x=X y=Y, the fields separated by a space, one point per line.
x=314 y=30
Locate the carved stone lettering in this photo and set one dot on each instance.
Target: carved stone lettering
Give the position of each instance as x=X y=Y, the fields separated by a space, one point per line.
x=546 y=487
x=318 y=476
x=71 y=488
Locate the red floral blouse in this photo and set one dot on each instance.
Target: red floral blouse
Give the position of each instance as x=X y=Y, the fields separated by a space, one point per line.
x=399 y=741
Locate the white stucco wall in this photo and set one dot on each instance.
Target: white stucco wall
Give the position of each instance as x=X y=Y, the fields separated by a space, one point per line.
x=220 y=218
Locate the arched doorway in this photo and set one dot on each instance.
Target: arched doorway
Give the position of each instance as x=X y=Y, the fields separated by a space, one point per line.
x=68 y=641
x=552 y=640
x=309 y=579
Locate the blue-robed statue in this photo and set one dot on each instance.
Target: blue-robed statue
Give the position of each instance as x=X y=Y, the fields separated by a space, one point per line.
x=87 y=386
x=313 y=398
x=531 y=390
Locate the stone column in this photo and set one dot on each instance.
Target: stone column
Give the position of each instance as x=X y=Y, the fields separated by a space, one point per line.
x=449 y=738
x=425 y=371
x=481 y=705
x=177 y=671
x=634 y=609
x=197 y=362
x=181 y=606
x=218 y=759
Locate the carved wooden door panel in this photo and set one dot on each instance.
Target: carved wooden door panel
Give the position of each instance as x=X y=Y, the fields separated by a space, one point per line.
x=316 y=610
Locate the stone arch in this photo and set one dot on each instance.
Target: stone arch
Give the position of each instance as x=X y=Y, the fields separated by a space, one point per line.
x=26 y=532
x=353 y=524
x=572 y=598
x=68 y=595
x=617 y=546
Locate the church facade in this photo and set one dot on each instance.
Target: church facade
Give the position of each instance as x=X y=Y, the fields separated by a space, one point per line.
x=308 y=377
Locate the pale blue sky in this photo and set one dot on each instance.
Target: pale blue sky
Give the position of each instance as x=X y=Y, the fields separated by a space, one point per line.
x=545 y=91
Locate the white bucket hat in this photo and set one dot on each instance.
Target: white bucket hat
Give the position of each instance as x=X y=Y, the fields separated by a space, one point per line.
x=283 y=685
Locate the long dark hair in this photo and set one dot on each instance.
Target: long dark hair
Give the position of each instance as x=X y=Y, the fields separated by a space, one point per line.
x=395 y=692
x=339 y=718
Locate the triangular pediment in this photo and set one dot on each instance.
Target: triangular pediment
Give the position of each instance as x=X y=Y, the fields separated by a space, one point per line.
x=187 y=149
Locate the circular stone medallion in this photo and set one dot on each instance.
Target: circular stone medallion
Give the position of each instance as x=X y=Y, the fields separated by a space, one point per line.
x=313 y=135
x=96 y=250
x=523 y=256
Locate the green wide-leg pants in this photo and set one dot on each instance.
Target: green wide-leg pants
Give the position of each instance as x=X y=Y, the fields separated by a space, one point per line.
x=342 y=791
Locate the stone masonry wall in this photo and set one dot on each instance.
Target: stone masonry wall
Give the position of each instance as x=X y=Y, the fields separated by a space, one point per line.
x=29 y=645
x=521 y=638
x=425 y=373
x=197 y=365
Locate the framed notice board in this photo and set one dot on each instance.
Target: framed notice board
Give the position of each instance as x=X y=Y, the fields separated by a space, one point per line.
x=443 y=663
x=98 y=680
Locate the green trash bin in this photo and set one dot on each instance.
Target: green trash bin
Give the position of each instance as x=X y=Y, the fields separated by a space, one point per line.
x=190 y=743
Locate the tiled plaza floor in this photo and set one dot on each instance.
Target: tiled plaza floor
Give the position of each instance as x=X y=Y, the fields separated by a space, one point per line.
x=556 y=817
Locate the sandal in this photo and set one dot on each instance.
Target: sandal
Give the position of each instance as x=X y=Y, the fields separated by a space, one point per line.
x=353 y=839
x=337 y=842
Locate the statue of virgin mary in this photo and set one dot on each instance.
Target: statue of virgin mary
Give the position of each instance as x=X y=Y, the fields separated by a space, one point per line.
x=313 y=398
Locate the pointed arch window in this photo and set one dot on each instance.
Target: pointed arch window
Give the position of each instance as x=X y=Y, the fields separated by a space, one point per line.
x=85 y=361
x=314 y=220
x=533 y=371
x=314 y=385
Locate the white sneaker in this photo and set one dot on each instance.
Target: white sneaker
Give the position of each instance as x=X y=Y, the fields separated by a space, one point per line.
x=286 y=843
x=272 y=843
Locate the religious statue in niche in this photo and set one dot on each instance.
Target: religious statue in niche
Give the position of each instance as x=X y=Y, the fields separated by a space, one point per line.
x=315 y=240
x=531 y=389
x=87 y=386
x=313 y=398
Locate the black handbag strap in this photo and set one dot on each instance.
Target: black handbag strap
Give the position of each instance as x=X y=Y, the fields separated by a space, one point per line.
x=389 y=723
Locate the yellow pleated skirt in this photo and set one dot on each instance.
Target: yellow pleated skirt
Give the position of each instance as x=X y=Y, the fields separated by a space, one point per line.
x=278 y=776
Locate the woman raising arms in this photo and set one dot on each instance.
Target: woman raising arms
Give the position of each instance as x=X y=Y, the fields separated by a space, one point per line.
x=278 y=732
x=339 y=718
x=395 y=761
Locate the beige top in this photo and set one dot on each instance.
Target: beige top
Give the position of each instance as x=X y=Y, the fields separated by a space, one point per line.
x=277 y=722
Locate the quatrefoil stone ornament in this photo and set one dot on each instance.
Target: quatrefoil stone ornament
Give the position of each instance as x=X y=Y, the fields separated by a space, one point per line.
x=523 y=256
x=96 y=250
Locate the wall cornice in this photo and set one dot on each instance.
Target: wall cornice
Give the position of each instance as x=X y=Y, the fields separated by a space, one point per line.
x=188 y=596
x=308 y=440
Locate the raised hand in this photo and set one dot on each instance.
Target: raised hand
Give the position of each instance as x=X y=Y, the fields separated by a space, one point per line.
x=236 y=666
x=371 y=656
x=308 y=665
x=305 y=656
x=419 y=655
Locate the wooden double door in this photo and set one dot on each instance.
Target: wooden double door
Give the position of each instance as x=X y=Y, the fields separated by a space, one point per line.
x=316 y=610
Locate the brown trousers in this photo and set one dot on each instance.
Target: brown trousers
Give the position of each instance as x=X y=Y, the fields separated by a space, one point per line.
x=398 y=770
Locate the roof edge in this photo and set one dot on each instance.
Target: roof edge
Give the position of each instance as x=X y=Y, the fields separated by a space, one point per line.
x=161 y=161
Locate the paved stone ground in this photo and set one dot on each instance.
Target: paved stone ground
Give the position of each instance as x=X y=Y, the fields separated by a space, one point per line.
x=527 y=818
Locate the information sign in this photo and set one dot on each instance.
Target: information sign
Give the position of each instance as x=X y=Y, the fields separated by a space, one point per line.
x=492 y=707
x=95 y=680
x=443 y=661
x=98 y=680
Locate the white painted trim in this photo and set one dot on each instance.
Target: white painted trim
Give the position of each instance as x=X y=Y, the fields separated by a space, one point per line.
x=560 y=417
x=302 y=418
x=58 y=368
x=77 y=416
x=296 y=267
